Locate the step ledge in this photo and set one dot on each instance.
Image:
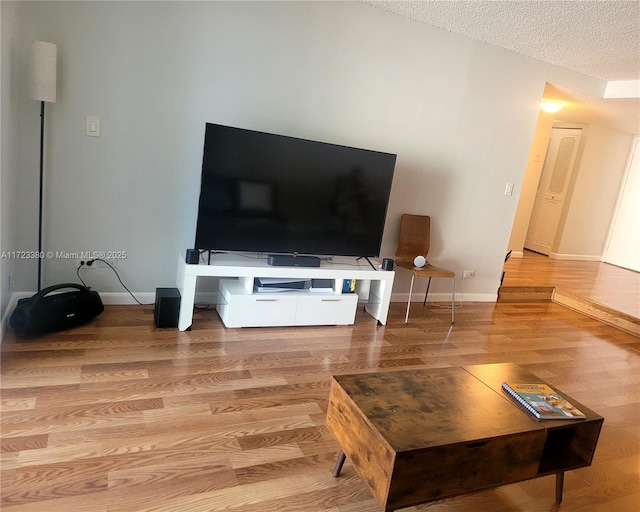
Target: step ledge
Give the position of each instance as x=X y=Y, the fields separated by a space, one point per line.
x=571 y=301
x=596 y=310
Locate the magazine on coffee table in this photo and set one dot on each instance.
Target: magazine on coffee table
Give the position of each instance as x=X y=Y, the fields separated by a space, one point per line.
x=542 y=401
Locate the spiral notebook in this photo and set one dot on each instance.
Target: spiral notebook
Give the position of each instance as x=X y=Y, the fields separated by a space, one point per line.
x=542 y=401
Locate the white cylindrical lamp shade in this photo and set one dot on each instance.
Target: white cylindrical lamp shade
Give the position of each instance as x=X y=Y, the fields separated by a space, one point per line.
x=42 y=71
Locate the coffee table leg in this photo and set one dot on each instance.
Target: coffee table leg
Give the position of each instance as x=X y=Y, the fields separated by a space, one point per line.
x=559 y=486
x=339 y=463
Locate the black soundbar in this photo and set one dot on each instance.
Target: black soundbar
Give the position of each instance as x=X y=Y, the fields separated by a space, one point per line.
x=291 y=260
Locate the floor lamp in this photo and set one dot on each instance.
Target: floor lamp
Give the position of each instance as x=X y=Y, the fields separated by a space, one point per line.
x=42 y=88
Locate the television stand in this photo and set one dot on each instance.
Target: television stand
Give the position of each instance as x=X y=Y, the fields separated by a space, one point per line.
x=242 y=307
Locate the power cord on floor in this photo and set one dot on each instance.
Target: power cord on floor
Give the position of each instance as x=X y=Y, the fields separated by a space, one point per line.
x=458 y=302
x=204 y=306
x=88 y=263
x=457 y=285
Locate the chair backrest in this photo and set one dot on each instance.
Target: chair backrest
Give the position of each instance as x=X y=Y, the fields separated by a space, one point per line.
x=415 y=235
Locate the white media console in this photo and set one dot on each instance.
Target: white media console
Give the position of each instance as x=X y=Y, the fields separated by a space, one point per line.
x=240 y=306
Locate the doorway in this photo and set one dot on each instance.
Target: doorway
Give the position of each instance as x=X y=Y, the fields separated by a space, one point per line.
x=623 y=246
x=552 y=189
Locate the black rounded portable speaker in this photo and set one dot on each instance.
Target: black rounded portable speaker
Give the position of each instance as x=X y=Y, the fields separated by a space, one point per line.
x=47 y=311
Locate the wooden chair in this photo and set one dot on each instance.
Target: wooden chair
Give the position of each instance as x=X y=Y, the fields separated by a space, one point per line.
x=414 y=240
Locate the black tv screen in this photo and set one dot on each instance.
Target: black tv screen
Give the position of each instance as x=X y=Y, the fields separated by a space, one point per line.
x=271 y=193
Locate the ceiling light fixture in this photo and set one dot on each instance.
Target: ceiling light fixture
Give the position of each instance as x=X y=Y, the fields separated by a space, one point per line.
x=551 y=106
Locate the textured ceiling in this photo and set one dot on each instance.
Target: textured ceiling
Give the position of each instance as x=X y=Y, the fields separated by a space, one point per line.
x=598 y=38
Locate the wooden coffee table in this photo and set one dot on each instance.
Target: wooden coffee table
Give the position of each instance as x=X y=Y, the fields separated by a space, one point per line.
x=416 y=436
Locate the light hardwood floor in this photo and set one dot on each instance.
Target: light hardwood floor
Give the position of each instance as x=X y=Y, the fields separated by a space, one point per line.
x=615 y=287
x=603 y=291
x=120 y=416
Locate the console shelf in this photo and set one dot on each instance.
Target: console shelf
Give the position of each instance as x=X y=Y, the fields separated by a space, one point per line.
x=240 y=306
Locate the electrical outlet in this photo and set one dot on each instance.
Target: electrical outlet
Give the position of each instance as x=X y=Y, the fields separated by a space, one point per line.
x=83 y=263
x=95 y=263
x=468 y=274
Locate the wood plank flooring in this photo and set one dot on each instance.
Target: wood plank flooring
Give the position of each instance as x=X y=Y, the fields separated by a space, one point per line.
x=614 y=287
x=120 y=416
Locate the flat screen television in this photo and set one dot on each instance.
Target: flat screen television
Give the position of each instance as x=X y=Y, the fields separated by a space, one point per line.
x=269 y=193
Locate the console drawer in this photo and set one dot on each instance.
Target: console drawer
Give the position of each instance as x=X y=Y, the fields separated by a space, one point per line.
x=244 y=309
x=271 y=311
x=327 y=309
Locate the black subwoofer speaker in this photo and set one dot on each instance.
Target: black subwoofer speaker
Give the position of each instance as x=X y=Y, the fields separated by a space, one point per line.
x=167 y=309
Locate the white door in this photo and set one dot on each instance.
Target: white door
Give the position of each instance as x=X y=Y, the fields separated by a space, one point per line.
x=552 y=189
x=623 y=248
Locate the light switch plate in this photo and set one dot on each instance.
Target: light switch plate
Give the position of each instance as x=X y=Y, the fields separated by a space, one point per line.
x=93 y=126
x=508 y=189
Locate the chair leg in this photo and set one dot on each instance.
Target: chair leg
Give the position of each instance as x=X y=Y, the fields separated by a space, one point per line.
x=453 y=299
x=427 y=292
x=406 y=318
x=339 y=463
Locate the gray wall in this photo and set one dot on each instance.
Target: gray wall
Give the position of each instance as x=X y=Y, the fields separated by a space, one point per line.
x=460 y=115
x=596 y=184
x=8 y=150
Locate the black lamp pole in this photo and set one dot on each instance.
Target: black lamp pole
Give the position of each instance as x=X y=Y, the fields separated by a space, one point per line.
x=41 y=193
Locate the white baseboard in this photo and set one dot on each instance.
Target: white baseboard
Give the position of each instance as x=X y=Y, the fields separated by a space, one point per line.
x=446 y=297
x=477 y=297
x=574 y=257
x=149 y=298
x=121 y=298
x=4 y=323
x=13 y=302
